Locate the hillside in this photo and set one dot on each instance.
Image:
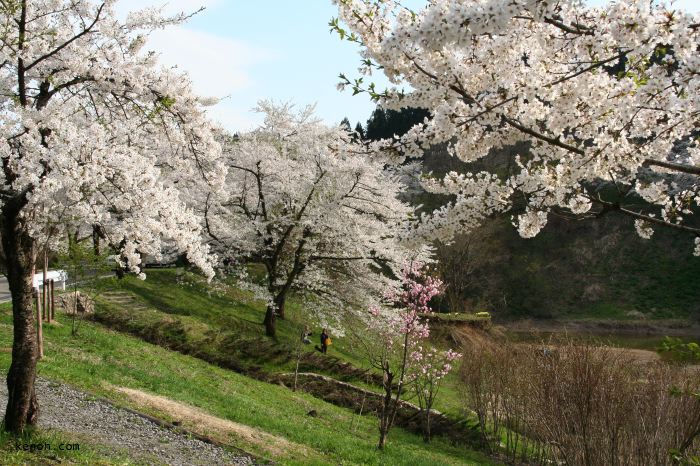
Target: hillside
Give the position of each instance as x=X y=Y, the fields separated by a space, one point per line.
x=177 y=310
x=597 y=268
x=575 y=268
x=593 y=268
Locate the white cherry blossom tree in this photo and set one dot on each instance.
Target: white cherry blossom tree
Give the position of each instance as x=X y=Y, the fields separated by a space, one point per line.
x=94 y=136
x=607 y=98
x=306 y=201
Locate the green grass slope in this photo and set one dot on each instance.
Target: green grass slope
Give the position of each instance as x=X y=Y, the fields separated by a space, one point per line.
x=100 y=360
x=222 y=324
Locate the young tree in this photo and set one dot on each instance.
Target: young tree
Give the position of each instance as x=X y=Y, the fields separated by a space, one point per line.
x=85 y=268
x=606 y=97
x=95 y=135
x=432 y=367
x=395 y=342
x=304 y=200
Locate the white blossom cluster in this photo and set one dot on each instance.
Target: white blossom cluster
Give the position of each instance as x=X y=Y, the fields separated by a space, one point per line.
x=602 y=95
x=306 y=201
x=95 y=134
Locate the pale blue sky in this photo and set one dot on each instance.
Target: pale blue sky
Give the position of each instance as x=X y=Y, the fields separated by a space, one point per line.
x=254 y=49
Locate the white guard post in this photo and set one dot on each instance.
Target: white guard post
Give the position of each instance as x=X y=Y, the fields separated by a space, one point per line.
x=58 y=276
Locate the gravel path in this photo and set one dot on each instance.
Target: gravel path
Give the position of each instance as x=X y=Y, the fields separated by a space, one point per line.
x=66 y=409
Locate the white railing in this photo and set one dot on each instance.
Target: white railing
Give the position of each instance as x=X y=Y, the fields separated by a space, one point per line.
x=58 y=276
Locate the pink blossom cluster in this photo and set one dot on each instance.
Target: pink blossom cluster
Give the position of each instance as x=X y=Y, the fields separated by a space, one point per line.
x=412 y=298
x=431 y=364
x=417 y=288
x=406 y=322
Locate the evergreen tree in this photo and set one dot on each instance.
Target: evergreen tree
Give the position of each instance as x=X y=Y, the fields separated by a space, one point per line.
x=384 y=124
x=359 y=130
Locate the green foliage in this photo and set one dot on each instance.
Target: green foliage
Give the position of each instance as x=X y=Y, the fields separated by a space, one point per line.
x=683 y=460
x=166 y=101
x=384 y=124
x=83 y=264
x=678 y=350
x=85 y=267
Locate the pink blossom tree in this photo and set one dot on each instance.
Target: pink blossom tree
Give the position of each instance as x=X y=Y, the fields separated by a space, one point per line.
x=396 y=336
x=431 y=367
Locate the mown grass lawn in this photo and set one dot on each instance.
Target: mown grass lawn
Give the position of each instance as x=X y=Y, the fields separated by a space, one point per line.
x=99 y=359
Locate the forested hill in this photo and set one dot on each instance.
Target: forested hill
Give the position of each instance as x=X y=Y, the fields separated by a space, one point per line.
x=595 y=267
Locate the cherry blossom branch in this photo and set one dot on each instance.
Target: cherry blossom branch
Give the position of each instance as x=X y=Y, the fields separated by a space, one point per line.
x=611 y=206
x=85 y=31
x=689 y=169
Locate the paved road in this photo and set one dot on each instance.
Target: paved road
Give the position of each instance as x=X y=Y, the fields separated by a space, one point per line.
x=5 y=296
x=4 y=290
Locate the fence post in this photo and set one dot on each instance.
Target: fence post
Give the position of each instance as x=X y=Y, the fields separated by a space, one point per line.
x=44 y=290
x=52 y=287
x=39 y=330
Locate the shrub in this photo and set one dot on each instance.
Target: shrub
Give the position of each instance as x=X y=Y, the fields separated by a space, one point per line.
x=676 y=350
x=581 y=405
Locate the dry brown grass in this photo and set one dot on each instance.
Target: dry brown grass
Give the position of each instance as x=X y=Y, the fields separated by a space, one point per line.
x=202 y=423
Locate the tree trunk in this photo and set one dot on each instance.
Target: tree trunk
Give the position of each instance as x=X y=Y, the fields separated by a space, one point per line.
x=382 y=439
x=52 y=286
x=385 y=411
x=270 y=322
x=426 y=428
x=39 y=324
x=45 y=290
x=279 y=308
x=96 y=240
x=22 y=408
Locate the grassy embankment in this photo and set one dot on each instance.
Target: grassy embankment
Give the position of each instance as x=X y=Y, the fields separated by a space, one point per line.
x=222 y=324
x=182 y=308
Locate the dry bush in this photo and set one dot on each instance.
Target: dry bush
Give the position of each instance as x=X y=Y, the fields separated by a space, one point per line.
x=73 y=302
x=580 y=404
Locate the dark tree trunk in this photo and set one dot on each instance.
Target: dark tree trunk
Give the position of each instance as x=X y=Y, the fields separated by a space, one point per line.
x=280 y=301
x=385 y=411
x=382 y=439
x=22 y=408
x=45 y=289
x=270 y=322
x=52 y=287
x=120 y=271
x=274 y=312
x=426 y=426
x=96 y=240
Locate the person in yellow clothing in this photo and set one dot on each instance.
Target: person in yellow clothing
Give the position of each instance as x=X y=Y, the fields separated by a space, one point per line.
x=325 y=341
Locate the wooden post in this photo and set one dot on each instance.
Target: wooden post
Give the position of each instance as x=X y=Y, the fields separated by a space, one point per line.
x=39 y=330
x=44 y=290
x=52 y=288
